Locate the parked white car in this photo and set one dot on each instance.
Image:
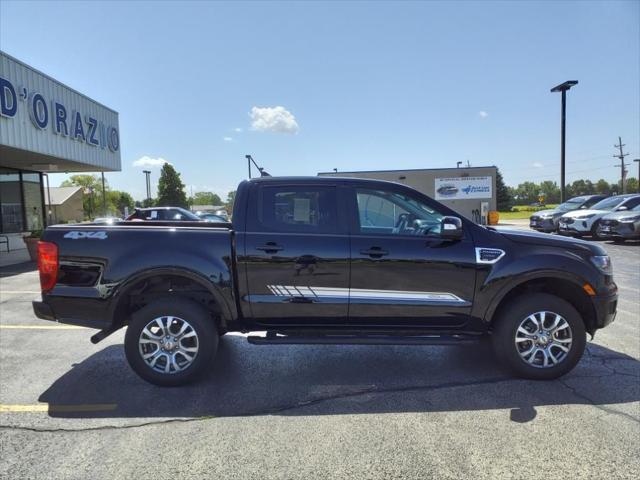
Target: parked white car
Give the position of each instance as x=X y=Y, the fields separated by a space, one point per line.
x=585 y=222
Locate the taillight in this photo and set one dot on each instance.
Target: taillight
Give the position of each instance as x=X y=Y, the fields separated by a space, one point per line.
x=47 y=265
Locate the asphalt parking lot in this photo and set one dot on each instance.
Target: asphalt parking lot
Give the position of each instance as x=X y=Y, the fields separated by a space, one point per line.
x=71 y=409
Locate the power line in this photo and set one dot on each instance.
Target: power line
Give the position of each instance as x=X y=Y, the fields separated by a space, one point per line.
x=623 y=170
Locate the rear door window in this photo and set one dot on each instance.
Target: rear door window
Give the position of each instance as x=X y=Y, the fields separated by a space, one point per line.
x=298 y=209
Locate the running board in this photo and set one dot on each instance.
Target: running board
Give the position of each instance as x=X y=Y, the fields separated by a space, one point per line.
x=363 y=340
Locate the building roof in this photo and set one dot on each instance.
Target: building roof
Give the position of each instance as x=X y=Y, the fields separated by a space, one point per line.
x=59 y=195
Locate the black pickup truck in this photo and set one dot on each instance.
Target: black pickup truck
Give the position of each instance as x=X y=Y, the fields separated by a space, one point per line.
x=326 y=260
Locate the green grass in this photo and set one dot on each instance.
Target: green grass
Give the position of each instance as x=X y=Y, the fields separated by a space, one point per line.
x=514 y=215
x=522 y=211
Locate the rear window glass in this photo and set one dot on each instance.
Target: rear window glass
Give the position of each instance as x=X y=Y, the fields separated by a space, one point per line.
x=299 y=209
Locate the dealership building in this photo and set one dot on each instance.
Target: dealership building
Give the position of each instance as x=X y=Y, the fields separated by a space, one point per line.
x=470 y=191
x=46 y=127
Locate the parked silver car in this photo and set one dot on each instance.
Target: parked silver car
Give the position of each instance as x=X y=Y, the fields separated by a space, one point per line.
x=585 y=222
x=547 y=220
x=622 y=225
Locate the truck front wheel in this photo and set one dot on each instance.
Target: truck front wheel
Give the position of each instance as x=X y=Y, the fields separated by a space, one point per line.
x=171 y=342
x=539 y=336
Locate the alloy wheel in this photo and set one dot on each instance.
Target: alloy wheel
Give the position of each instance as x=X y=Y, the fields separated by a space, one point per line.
x=543 y=339
x=168 y=344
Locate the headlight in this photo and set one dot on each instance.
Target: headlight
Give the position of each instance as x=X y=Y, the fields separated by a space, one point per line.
x=603 y=263
x=584 y=217
x=630 y=219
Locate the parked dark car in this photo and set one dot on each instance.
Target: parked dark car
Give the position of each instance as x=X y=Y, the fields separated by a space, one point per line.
x=327 y=260
x=622 y=225
x=547 y=220
x=163 y=213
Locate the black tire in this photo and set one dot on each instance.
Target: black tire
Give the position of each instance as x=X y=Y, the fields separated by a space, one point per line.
x=594 y=231
x=510 y=318
x=185 y=311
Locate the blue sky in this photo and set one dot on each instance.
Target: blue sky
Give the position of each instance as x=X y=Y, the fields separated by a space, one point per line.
x=362 y=85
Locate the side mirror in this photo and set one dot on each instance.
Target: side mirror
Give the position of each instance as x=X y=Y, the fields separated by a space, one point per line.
x=622 y=208
x=451 y=228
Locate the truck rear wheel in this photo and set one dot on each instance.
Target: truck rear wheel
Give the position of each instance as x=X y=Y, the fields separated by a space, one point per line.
x=539 y=336
x=171 y=342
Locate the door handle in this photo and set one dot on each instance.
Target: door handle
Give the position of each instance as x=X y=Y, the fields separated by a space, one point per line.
x=374 y=252
x=270 y=247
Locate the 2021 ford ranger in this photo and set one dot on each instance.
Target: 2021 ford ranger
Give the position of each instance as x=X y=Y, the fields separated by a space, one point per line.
x=326 y=261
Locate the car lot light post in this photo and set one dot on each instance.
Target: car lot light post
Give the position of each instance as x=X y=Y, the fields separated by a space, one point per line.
x=563 y=87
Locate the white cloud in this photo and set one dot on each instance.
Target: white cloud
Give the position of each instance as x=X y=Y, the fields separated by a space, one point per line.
x=150 y=162
x=227 y=139
x=273 y=119
x=537 y=165
x=237 y=130
x=483 y=114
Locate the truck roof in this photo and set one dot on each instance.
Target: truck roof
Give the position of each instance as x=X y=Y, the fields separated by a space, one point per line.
x=318 y=179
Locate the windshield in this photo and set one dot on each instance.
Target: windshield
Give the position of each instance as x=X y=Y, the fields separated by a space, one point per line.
x=608 y=203
x=188 y=214
x=571 y=204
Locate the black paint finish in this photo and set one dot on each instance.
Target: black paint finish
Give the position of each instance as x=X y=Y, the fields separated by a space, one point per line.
x=263 y=278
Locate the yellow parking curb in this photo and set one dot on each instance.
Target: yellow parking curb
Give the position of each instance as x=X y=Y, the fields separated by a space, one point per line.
x=44 y=407
x=20 y=291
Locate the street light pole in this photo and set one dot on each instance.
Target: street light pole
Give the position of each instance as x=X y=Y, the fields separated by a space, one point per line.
x=147 y=174
x=638 y=160
x=563 y=87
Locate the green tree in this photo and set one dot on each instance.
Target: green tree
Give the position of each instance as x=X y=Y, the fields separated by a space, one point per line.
x=603 y=187
x=503 y=194
x=632 y=185
x=228 y=205
x=551 y=191
x=91 y=193
x=170 y=188
x=205 y=198
x=527 y=193
x=117 y=201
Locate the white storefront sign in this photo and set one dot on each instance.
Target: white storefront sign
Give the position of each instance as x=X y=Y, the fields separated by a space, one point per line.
x=461 y=188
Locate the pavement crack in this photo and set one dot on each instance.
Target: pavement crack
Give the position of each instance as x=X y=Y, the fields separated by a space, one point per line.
x=269 y=411
x=591 y=402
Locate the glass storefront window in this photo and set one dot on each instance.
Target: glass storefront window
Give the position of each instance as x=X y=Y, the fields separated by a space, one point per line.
x=32 y=201
x=10 y=202
x=20 y=201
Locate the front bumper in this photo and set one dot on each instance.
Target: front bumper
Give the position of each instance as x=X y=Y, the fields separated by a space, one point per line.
x=545 y=225
x=620 y=230
x=578 y=227
x=605 y=307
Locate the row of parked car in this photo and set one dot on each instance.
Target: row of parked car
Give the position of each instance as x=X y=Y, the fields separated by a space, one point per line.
x=598 y=216
x=167 y=213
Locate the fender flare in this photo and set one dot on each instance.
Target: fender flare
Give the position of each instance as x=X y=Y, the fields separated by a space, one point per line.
x=227 y=313
x=497 y=299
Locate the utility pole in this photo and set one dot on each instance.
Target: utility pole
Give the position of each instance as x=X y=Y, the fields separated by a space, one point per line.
x=104 y=197
x=623 y=170
x=638 y=160
x=148 y=179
